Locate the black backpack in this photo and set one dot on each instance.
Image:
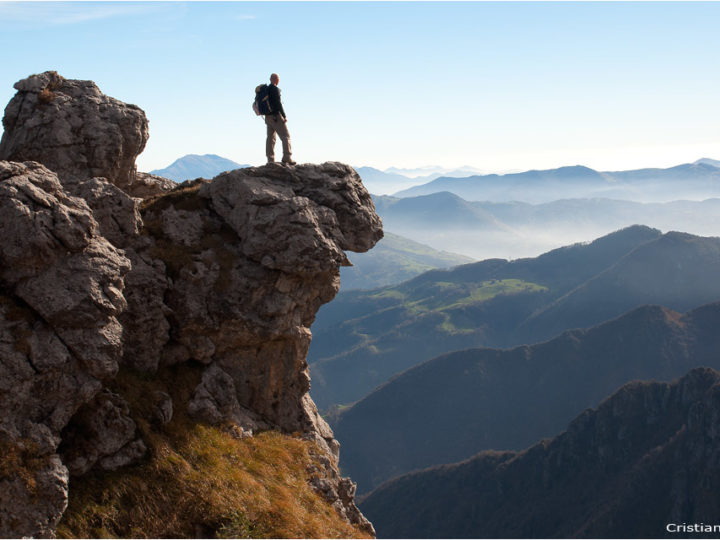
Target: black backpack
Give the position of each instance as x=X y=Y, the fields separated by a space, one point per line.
x=261 y=105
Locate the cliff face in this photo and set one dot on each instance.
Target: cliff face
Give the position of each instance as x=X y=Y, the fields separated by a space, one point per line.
x=107 y=271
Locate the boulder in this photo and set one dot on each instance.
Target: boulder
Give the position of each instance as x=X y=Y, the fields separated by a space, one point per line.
x=148 y=185
x=73 y=129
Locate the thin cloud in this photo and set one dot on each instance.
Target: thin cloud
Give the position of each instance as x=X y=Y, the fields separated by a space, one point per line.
x=60 y=13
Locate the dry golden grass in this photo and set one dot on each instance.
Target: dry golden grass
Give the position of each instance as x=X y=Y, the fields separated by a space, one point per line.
x=183 y=197
x=21 y=460
x=200 y=481
x=45 y=96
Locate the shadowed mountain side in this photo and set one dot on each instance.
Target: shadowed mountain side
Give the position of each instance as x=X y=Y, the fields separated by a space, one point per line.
x=363 y=338
x=646 y=458
x=453 y=406
x=393 y=260
x=677 y=270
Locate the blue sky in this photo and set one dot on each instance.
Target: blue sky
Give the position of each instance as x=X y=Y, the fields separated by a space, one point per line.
x=497 y=86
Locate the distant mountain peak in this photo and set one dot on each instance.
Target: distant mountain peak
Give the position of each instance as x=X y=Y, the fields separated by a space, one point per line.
x=708 y=161
x=193 y=166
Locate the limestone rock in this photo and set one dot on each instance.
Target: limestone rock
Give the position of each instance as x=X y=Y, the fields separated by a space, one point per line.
x=215 y=400
x=309 y=214
x=73 y=129
x=60 y=291
x=62 y=288
x=339 y=492
x=127 y=455
x=145 y=325
x=115 y=211
x=102 y=431
x=250 y=257
x=148 y=185
x=33 y=503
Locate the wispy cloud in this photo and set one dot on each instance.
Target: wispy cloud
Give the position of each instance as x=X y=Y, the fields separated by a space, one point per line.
x=245 y=17
x=66 y=13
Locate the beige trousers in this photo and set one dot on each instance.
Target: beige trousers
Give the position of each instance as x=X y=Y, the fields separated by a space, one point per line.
x=276 y=124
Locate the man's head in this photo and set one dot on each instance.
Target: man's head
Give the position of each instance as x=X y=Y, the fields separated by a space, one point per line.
x=274 y=79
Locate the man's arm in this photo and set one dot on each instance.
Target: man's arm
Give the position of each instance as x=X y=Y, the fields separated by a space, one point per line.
x=275 y=101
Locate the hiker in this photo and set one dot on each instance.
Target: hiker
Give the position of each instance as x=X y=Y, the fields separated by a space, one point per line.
x=277 y=123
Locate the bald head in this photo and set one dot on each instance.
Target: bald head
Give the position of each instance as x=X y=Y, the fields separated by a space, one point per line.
x=274 y=79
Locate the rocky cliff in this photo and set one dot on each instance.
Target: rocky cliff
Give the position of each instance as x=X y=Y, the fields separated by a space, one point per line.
x=108 y=275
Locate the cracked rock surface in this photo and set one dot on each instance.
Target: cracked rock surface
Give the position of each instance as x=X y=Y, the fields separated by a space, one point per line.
x=73 y=129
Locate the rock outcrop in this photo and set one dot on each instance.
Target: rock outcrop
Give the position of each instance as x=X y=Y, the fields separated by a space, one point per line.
x=104 y=269
x=61 y=293
x=73 y=129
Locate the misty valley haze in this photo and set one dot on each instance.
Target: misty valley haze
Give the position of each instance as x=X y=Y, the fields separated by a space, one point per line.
x=526 y=214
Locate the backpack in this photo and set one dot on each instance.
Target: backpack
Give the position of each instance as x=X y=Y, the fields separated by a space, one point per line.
x=261 y=105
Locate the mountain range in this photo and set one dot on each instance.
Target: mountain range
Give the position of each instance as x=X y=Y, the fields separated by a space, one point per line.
x=515 y=229
x=365 y=337
x=507 y=399
x=194 y=166
x=698 y=180
x=644 y=464
x=395 y=179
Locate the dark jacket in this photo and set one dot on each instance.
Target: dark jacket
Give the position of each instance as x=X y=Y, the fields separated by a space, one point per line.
x=275 y=102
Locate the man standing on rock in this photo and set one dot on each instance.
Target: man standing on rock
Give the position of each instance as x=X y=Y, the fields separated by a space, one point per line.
x=277 y=123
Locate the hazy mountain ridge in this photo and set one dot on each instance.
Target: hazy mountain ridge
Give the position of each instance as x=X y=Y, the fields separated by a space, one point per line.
x=516 y=229
x=700 y=179
x=646 y=457
x=382 y=182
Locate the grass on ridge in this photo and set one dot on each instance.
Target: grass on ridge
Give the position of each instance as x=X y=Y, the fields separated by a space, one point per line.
x=200 y=481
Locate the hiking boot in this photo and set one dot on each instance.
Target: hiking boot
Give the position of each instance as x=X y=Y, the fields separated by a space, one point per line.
x=289 y=162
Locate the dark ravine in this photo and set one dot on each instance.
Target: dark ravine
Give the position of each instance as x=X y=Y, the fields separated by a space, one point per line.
x=646 y=458
x=108 y=271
